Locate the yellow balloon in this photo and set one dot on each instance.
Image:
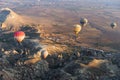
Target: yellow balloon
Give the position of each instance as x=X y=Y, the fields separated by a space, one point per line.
x=77 y=29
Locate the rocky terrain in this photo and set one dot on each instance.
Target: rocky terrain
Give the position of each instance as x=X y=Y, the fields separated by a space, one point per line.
x=79 y=63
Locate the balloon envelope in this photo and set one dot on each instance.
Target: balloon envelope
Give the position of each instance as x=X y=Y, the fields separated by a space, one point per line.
x=44 y=54
x=19 y=36
x=77 y=28
x=113 y=25
x=83 y=21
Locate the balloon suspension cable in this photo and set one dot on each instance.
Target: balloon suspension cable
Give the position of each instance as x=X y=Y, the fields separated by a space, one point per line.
x=82 y=25
x=21 y=47
x=76 y=36
x=20 y=44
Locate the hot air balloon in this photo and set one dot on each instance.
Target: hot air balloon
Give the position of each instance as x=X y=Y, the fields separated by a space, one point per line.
x=77 y=29
x=83 y=22
x=113 y=25
x=44 y=54
x=19 y=36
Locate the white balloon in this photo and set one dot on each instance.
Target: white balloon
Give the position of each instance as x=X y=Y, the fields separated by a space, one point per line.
x=44 y=54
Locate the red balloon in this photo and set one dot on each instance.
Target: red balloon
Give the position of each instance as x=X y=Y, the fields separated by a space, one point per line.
x=19 y=36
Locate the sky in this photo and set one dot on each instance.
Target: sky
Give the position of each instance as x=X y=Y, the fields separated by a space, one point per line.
x=107 y=3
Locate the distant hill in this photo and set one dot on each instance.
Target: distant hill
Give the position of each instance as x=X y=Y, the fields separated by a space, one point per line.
x=9 y=18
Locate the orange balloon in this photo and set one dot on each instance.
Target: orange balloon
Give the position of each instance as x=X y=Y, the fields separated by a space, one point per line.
x=19 y=36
